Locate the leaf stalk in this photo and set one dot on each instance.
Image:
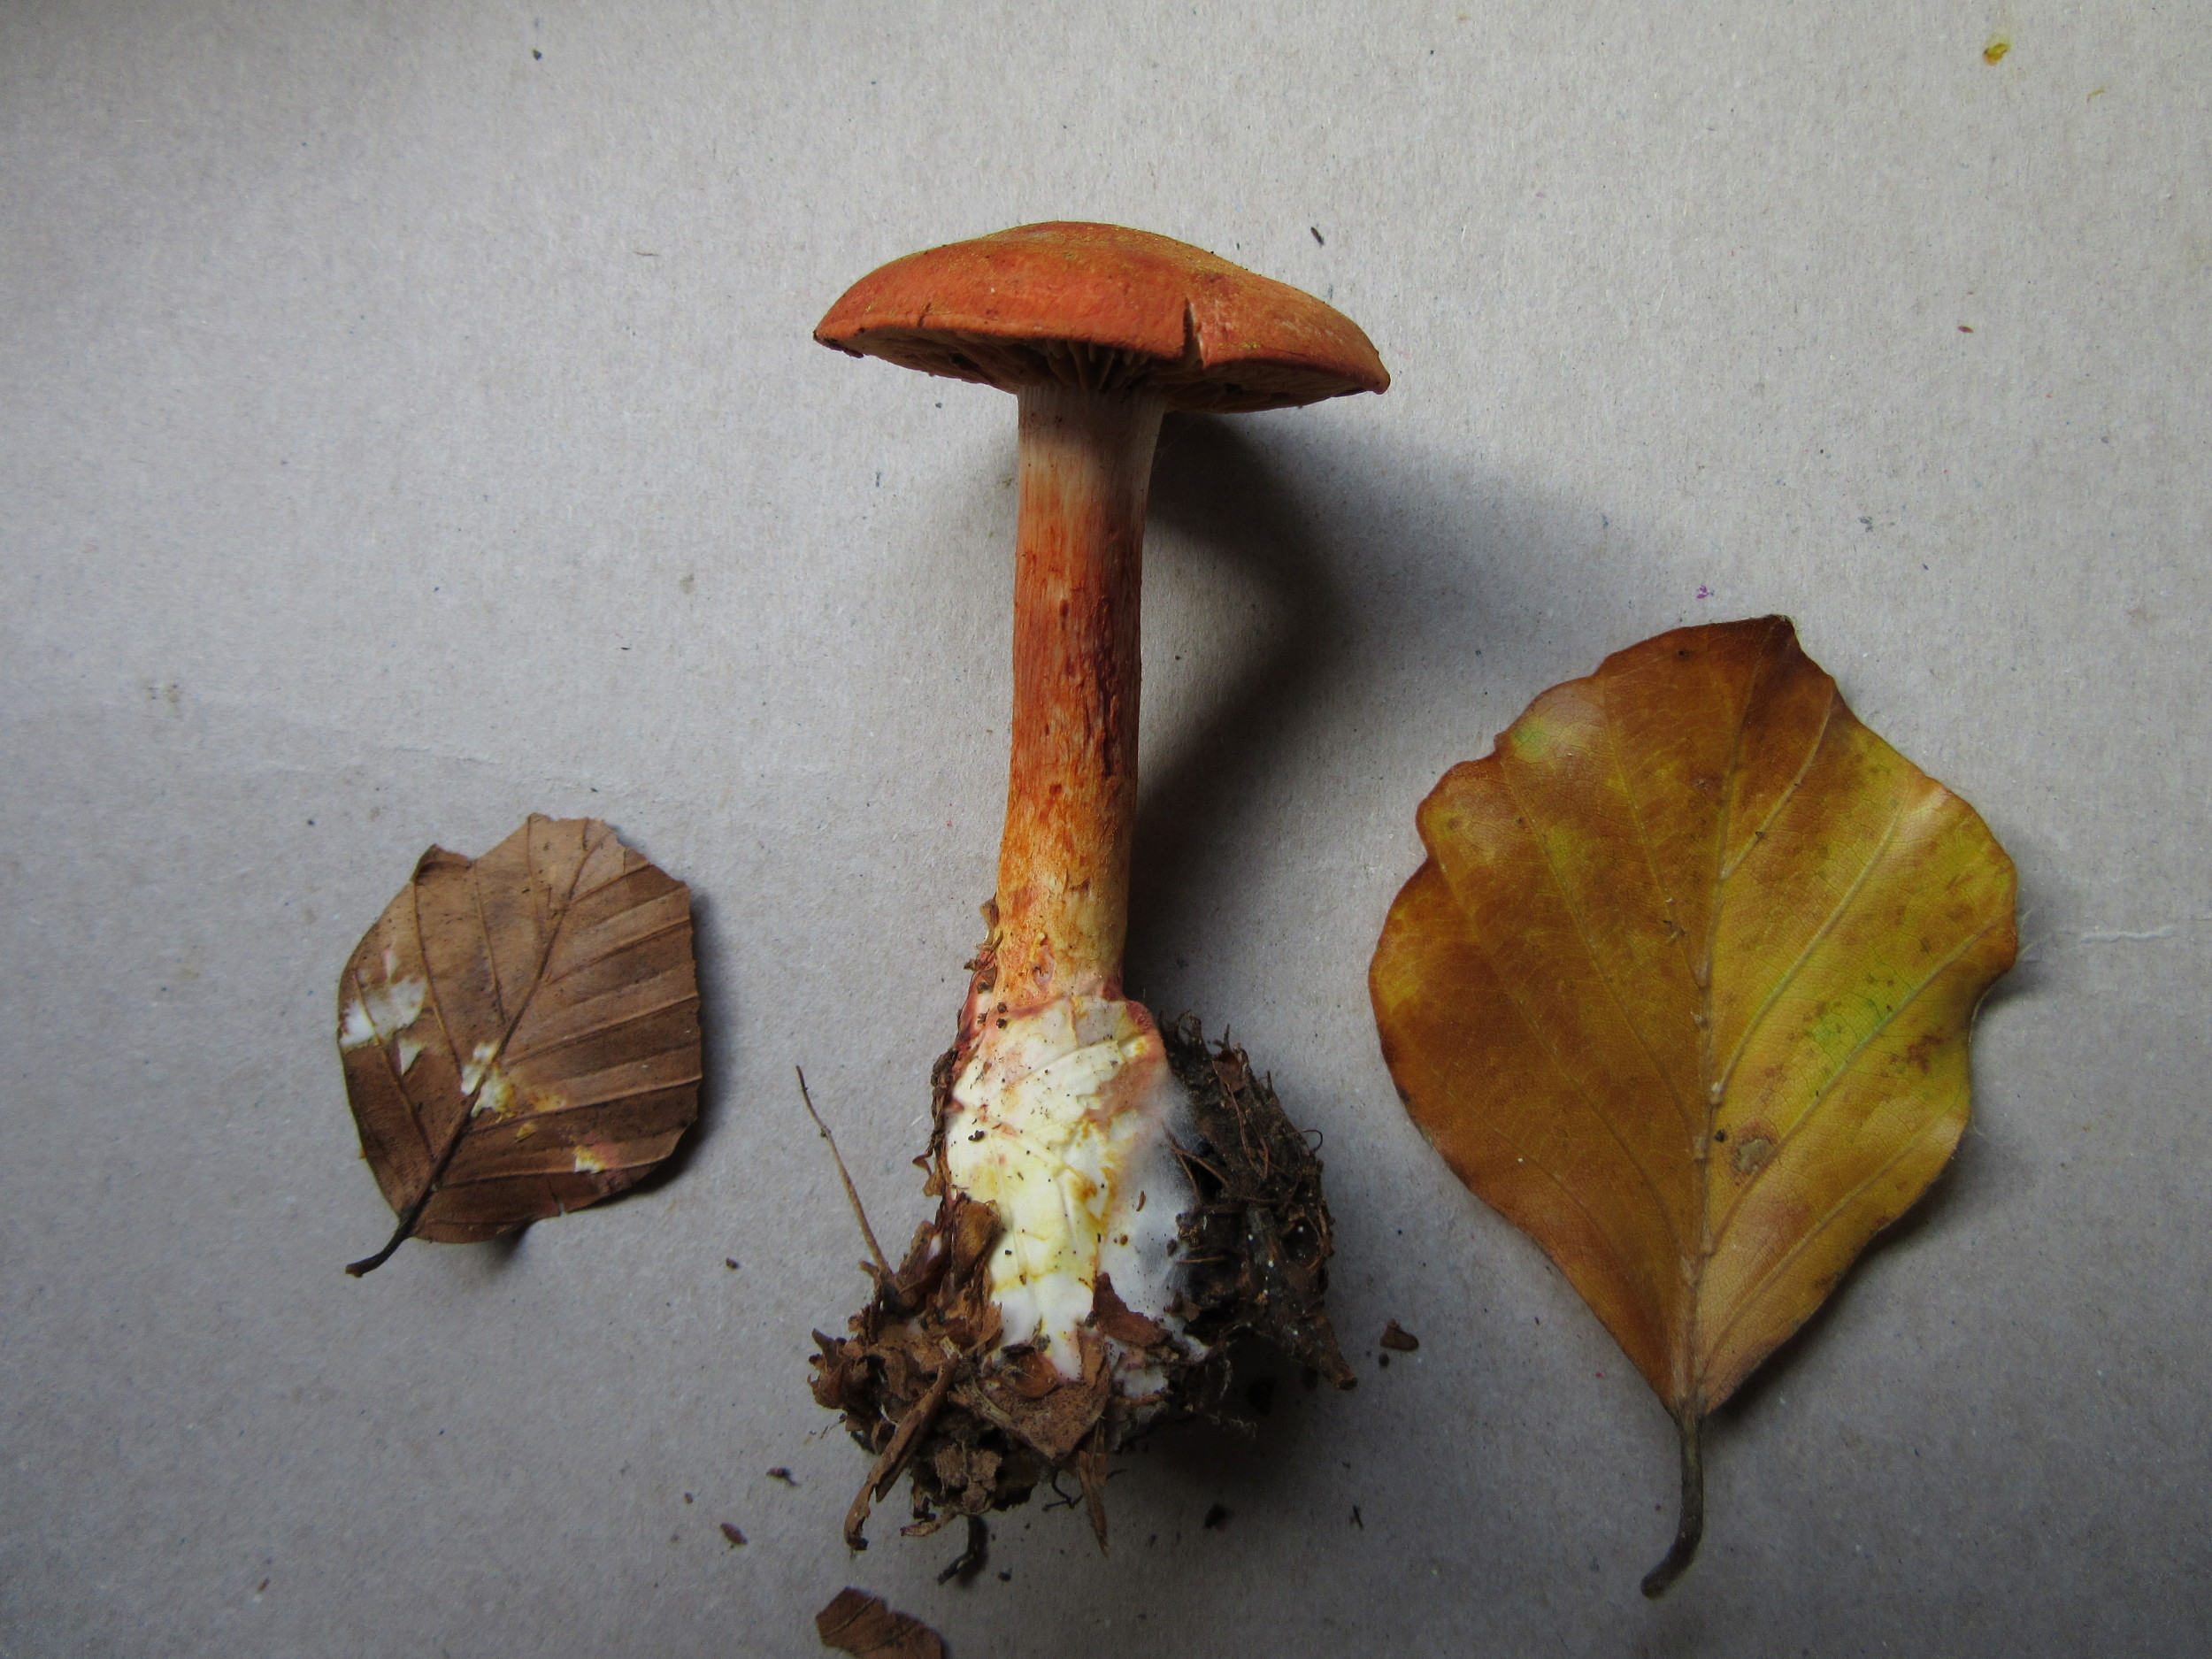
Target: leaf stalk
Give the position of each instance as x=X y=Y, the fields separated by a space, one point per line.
x=1691 y=1529
x=411 y=1216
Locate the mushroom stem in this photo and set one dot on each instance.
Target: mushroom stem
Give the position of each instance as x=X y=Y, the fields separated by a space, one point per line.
x=1071 y=787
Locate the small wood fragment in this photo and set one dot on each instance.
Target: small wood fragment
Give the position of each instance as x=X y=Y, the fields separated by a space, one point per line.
x=1113 y=1316
x=859 y=1624
x=1398 y=1339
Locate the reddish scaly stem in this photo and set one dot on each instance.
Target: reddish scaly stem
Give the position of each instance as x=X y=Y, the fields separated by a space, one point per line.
x=1072 y=788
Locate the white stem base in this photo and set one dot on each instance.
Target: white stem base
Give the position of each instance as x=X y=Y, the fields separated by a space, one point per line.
x=1062 y=1120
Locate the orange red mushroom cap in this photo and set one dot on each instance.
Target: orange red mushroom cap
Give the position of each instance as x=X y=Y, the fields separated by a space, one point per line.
x=1110 y=309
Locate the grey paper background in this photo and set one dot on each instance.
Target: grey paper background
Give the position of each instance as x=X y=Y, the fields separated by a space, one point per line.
x=410 y=421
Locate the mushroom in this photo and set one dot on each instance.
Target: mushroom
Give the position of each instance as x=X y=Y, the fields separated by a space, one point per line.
x=1117 y=1201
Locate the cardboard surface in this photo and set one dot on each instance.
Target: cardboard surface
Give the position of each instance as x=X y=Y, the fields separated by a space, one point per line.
x=411 y=423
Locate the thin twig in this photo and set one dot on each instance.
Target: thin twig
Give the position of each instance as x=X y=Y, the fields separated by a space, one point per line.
x=852 y=1193
x=1090 y=1469
x=890 y=1463
x=411 y=1216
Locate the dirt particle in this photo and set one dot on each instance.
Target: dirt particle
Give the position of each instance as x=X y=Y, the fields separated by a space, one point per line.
x=1217 y=1518
x=730 y=1533
x=1994 y=53
x=1398 y=1339
x=781 y=1473
x=1355 y=1518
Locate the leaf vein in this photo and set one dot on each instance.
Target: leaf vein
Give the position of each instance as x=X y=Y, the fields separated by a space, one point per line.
x=1835 y=914
x=491 y=951
x=1597 y=964
x=627 y=945
x=391 y=1060
x=1558 y=1065
x=1624 y=1258
x=1658 y=887
x=1820 y=1095
x=1805 y=1239
x=1804 y=769
x=516 y=1057
x=538 y=1114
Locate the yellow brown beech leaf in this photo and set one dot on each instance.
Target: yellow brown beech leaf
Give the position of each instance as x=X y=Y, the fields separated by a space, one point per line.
x=1684 y=989
x=520 y=1034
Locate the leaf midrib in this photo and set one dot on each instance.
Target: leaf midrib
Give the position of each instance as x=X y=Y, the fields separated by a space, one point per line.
x=1714 y=1084
x=1597 y=961
x=1702 y=1147
x=551 y=923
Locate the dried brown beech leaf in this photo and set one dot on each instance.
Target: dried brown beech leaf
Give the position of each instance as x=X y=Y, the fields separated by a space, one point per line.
x=859 y=1624
x=521 y=1034
x=1684 y=991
